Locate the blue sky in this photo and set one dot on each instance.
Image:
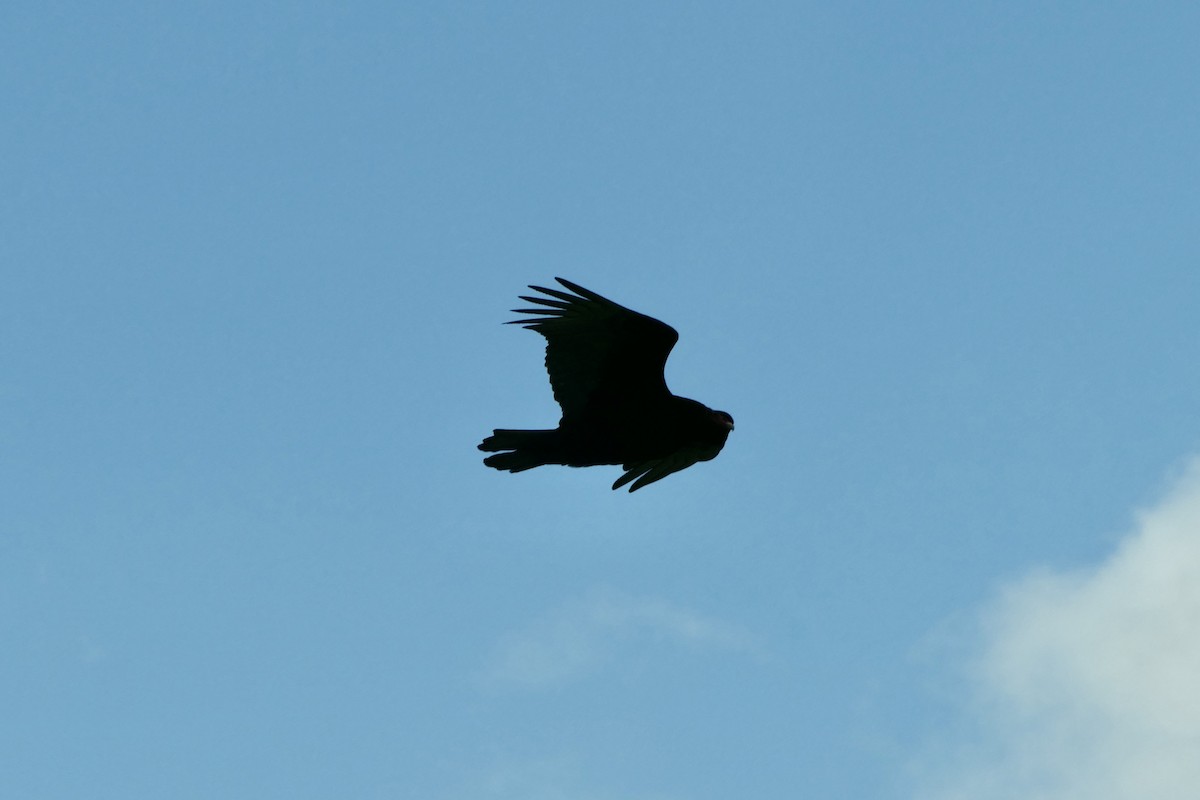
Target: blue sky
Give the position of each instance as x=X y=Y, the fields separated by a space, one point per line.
x=939 y=261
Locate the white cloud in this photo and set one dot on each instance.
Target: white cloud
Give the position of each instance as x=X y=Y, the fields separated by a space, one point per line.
x=559 y=778
x=583 y=635
x=562 y=777
x=1088 y=683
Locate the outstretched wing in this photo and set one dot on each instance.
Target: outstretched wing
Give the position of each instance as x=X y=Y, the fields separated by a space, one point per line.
x=596 y=348
x=648 y=472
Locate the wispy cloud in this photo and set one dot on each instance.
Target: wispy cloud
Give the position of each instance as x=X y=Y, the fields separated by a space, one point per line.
x=583 y=635
x=1088 y=683
x=558 y=778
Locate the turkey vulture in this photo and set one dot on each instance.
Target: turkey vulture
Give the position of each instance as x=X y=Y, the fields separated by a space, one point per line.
x=606 y=369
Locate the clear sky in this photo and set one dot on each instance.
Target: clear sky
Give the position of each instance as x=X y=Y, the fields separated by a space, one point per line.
x=939 y=260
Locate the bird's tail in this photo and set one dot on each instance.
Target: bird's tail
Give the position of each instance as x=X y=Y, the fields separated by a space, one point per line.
x=529 y=449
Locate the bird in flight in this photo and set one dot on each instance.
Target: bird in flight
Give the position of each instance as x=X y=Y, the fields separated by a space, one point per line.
x=606 y=369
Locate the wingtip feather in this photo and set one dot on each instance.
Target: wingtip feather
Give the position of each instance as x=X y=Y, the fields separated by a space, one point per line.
x=579 y=290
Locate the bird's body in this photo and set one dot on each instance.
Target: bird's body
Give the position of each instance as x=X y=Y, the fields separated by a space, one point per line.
x=606 y=369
